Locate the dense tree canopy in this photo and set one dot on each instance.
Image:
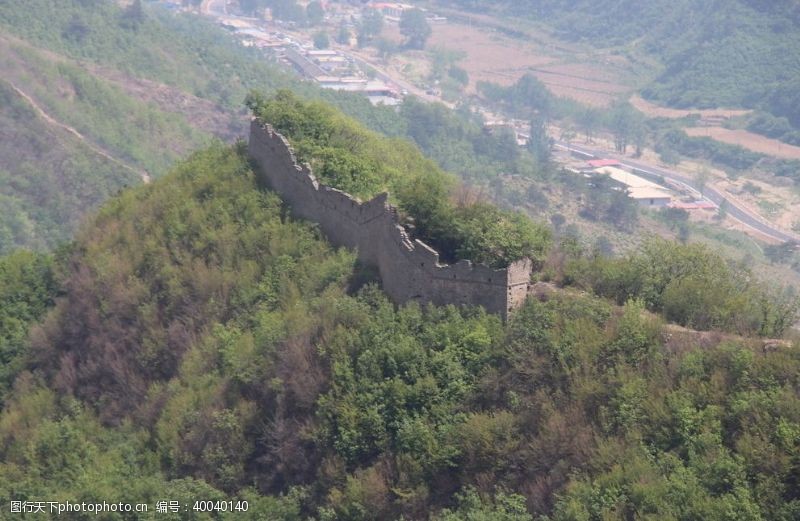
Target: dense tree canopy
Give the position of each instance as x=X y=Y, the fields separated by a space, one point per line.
x=28 y=287
x=207 y=346
x=194 y=341
x=371 y=25
x=691 y=286
x=315 y=12
x=414 y=26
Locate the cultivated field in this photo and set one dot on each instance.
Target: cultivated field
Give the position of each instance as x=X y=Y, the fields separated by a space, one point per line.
x=489 y=56
x=748 y=140
x=582 y=83
x=655 y=111
x=743 y=138
x=495 y=57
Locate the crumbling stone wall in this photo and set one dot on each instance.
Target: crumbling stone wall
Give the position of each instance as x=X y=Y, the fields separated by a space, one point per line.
x=409 y=269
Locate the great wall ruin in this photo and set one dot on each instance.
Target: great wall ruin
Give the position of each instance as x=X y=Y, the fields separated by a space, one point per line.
x=409 y=269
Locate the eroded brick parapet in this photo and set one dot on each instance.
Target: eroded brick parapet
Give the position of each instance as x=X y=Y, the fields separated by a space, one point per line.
x=410 y=270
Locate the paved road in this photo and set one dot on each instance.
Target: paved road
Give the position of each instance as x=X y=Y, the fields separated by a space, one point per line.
x=389 y=79
x=218 y=8
x=735 y=210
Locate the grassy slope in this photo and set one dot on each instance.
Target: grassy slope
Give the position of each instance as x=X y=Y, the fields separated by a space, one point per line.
x=48 y=179
x=59 y=175
x=109 y=87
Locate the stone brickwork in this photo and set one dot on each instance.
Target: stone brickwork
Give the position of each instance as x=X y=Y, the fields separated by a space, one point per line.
x=409 y=269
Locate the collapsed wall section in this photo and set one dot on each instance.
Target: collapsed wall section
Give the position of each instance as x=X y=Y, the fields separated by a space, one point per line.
x=409 y=269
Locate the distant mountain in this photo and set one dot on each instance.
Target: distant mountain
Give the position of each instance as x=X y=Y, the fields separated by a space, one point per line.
x=718 y=53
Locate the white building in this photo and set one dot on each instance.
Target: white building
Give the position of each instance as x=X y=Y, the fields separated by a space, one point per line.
x=645 y=192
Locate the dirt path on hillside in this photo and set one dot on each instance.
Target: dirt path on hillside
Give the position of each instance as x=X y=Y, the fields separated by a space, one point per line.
x=95 y=148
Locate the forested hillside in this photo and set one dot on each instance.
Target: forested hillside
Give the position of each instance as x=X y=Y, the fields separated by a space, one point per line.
x=71 y=140
x=180 y=51
x=194 y=342
x=715 y=53
x=146 y=91
x=47 y=180
x=190 y=341
x=93 y=101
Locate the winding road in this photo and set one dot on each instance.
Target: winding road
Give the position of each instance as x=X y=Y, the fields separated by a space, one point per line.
x=735 y=209
x=218 y=8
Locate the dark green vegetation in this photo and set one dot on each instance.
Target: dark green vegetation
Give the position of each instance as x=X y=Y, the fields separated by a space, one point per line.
x=690 y=286
x=786 y=253
x=346 y=156
x=714 y=53
x=602 y=202
x=774 y=127
x=371 y=26
x=599 y=201
x=526 y=96
x=671 y=142
x=206 y=346
x=676 y=141
x=529 y=98
x=28 y=286
x=414 y=26
x=287 y=10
